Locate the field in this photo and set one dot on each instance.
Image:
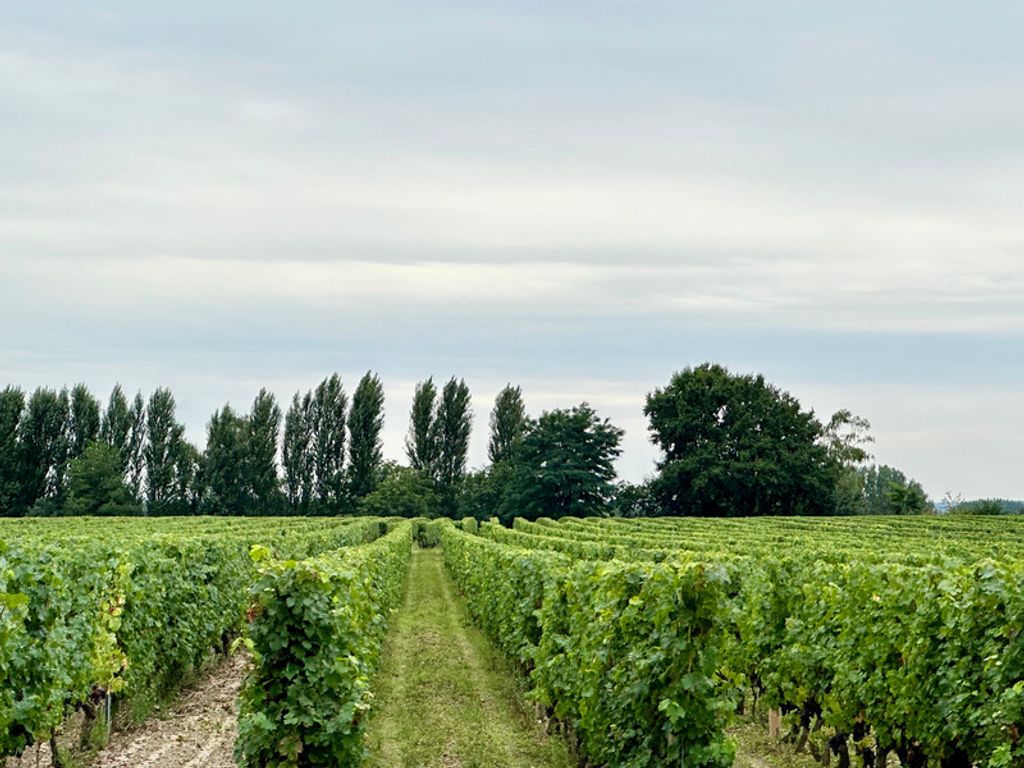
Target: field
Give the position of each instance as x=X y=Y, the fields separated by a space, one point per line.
x=609 y=642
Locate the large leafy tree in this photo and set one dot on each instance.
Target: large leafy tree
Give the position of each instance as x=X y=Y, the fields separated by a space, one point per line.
x=96 y=483
x=365 y=424
x=452 y=428
x=403 y=492
x=508 y=423
x=328 y=412
x=564 y=465
x=421 y=442
x=262 y=430
x=297 y=454
x=12 y=406
x=483 y=492
x=736 y=445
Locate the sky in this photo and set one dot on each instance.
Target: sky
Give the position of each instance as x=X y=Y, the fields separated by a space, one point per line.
x=578 y=197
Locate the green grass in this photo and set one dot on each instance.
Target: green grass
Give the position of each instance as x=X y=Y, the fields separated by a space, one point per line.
x=755 y=748
x=444 y=699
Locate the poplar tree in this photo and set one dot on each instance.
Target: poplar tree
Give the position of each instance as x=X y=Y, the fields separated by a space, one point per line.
x=452 y=428
x=188 y=488
x=297 y=454
x=263 y=430
x=84 y=424
x=508 y=423
x=329 y=409
x=224 y=465
x=163 y=453
x=420 y=444
x=12 y=406
x=365 y=423
x=135 y=463
x=116 y=426
x=43 y=437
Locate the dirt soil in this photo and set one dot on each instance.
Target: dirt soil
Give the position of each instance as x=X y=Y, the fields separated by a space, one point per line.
x=197 y=730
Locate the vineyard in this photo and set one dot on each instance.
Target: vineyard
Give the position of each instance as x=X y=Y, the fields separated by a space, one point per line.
x=641 y=641
x=886 y=636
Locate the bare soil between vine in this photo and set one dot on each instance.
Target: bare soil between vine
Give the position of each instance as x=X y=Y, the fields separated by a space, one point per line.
x=196 y=730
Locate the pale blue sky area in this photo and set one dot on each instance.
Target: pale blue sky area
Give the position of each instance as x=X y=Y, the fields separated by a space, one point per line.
x=577 y=197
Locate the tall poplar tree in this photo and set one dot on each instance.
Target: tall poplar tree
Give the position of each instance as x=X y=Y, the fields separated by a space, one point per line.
x=330 y=406
x=163 y=453
x=365 y=423
x=189 y=489
x=12 y=406
x=43 y=437
x=297 y=454
x=84 y=424
x=116 y=426
x=224 y=465
x=420 y=444
x=135 y=461
x=452 y=428
x=508 y=423
x=263 y=430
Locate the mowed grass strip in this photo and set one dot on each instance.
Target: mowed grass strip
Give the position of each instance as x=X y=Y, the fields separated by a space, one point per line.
x=444 y=699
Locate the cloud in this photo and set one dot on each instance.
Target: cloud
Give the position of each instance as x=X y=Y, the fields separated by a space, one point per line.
x=584 y=197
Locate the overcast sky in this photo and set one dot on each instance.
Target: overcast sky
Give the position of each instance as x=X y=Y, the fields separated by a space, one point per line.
x=578 y=197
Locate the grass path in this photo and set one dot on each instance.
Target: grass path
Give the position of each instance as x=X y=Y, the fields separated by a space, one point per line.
x=443 y=697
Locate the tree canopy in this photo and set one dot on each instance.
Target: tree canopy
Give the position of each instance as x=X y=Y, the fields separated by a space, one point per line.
x=736 y=445
x=563 y=465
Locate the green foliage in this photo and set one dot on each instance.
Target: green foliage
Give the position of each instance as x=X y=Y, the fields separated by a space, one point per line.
x=735 y=445
x=12 y=404
x=887 y=491
x=989 y=507
x=627 y=653
x=118 y=430
x=43 y=439
x=89 y=607
x=421 y=443
x=508 y=424
x=327 y=426
x=163 y=453
x=135 y=463
x=483 y=491
x=404 y=492
x=365 y=423
x=635 y=500
x=84 y=420
x=564 y=465
x=452 y=428
x=297 y=454
x=96 y=484
x=224 y=470
x=427 y=533
x=904 y=630
x=316 y=633
x=263 y=429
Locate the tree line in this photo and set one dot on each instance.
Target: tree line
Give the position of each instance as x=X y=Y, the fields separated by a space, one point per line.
x=730 y=445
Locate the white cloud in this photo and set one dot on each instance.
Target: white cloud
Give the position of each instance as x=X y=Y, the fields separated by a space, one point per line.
x=534 y=194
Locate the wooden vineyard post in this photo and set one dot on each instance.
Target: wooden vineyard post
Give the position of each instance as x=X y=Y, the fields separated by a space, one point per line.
x=774 y=723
